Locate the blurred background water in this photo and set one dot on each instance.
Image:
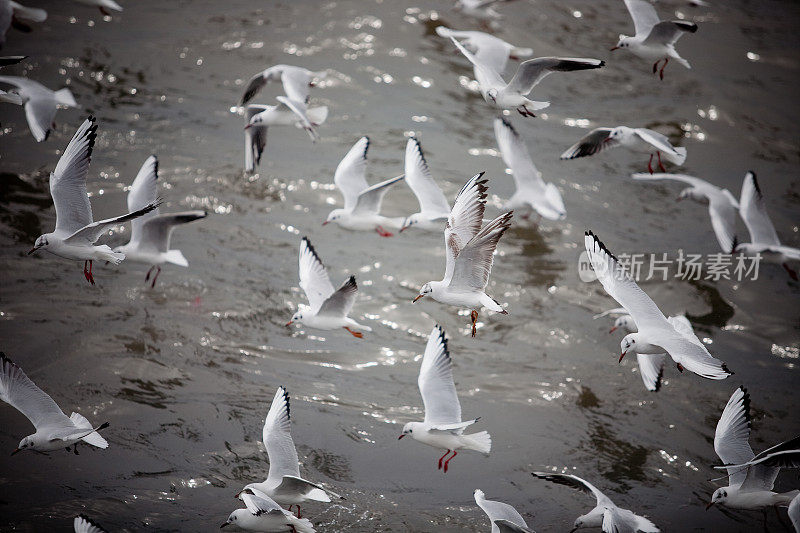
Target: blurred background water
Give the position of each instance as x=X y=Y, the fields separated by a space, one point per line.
x=185 y=372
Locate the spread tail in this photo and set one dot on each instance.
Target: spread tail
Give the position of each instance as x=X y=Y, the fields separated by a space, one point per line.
x=92 y=438
x=64 y=97
x=480 y=442
x=107 y=254
x=302 y=525
x=317 y=115
x=679 y=158
x=318 y=495
x=176 y=258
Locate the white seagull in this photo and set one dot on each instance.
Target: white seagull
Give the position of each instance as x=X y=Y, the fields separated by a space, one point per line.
x=722 y=205
x=641 y=140
x=749 y=485
x=40 y=103
x=470 y=252
x=296 y=82
x=75 y=233
x=258 y=118
x=84 y=524
x=512 y=95
x=655 y=39
x=433 y=206
x=651 y=365
x=763 y=237
x=532 y=193
x=504 y=517
x=442 y=427
x=54 y=430
x=13 y=14
x=606 y=514
x=262 y=513
x=656 y=333
x=150 y=233
x=283 y=483
x=490 y=50
x=329 y=307
x=362 y=202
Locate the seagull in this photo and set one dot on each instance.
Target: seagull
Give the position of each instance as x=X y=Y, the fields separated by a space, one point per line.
x=150 y=233
x=488 y=49
x=296 y=82
x=40 y=103
x=362 y=202
x=53 y=429
x=470 y=252
x=606 y=514
x=655 y=38
x=13 y=14
x=283 y=483
x=640 y=140
x=442 y=427
x=651 y=366
x=763 y=237
x=263 y=514
x=749 y=485
x=722 y=205
x=433 y=206
x=258 y=118
x=480 y=9
x=512 y=95
x=329 y=308
x=532 y=193
x=84 y=524
x=102 y=5
x=75 y=233
x=616 y=311
x=503 y=516
x=656 y=333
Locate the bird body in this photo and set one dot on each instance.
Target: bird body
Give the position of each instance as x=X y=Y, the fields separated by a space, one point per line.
x=263 y=514
x=13 y=13
x=40 y=103
x=296 y=82
x=640 y=140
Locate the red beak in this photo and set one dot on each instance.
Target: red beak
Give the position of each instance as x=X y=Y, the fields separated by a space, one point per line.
x=709 y=505
x=16 y=451
x=417 y=298
x=31 y=251
x=288 y=324
x=615 y=48
x=401 y=436
x=324 y=223
x=621 y=356
x=612 y=330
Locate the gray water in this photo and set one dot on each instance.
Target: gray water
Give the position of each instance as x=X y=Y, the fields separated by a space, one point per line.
x=185 y=372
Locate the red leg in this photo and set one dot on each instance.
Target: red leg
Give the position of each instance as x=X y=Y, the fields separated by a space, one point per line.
x=448 y=461
x=158 y=271
x=655 y=66
x=442 y=457
x=474 y=316
x=298 y=511
x=382 y=232
x=356 y=334
x=650 y=164
x=147 y=277
x=91 y=277
x=661 y=72
x=86 y=270
x=660 y=164
x=680 y=368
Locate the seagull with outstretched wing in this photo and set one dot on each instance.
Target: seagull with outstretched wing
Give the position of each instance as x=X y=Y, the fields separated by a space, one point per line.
x=433 y=206
x=39 y=102
x=262 y=513
x=504 y=517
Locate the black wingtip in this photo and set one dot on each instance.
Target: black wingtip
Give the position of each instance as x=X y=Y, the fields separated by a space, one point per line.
x=104 y=425
x=352 y=282
x=745 y=403
x=312 y=250
x=508 y=125
x=600 y=244
x=90 y=521
x=734 y=244
x=366 y=148
x=756 y=186
x=690 y=27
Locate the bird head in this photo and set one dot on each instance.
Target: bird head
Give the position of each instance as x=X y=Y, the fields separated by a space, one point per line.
x=628 y=343
x=492 y=95
x=297 y=317
x=426 y=289
x=624 y=42
x=24 y=444
x=408 y=429
x=719 y=496
x=624 y=323
x=334 y=215
x=41 y=242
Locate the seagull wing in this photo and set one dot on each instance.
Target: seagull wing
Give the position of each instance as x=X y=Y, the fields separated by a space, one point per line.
x=644 y=16
x=474 y=263
x=487 y=77
x=84 y=524
x=369 y=200
x=516 y=157
x=507 y=526
x=576 y=483
x=436 y=382
x=39 y=102
x=155 y=231
x=668 y=32
x=753 y=210
x=651 y=367
x=615 y=311
x=794 y=512
x=314 y=279
x=89 y=234
x=418 y=176
x=144 y=190
x=500 y=511
x=658 y=140
x=291 y=486
x=20 y=392
x=255 y=138
x=765 y=466
x=296 y=82
x=277 y=438
x=731 y=438
x=300 y=109
x=253 y=86
x=531 y=72
x=350 y=176
x=68 y=180
x=340 y=302
x=616 y=521
x=259 y=504
x=596 y=140
x=464 y=221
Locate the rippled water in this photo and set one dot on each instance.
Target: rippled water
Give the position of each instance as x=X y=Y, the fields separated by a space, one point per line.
x=185 y=372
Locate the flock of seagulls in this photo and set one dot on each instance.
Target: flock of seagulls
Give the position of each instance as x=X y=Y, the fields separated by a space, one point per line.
x=470 y=242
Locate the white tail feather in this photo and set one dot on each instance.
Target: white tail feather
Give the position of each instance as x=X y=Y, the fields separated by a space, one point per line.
x=303 y=525
x=92 y=438
x=480 y=442
x=318 y=495
x=317 y=115
x=176 y=258
x=64 y=97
